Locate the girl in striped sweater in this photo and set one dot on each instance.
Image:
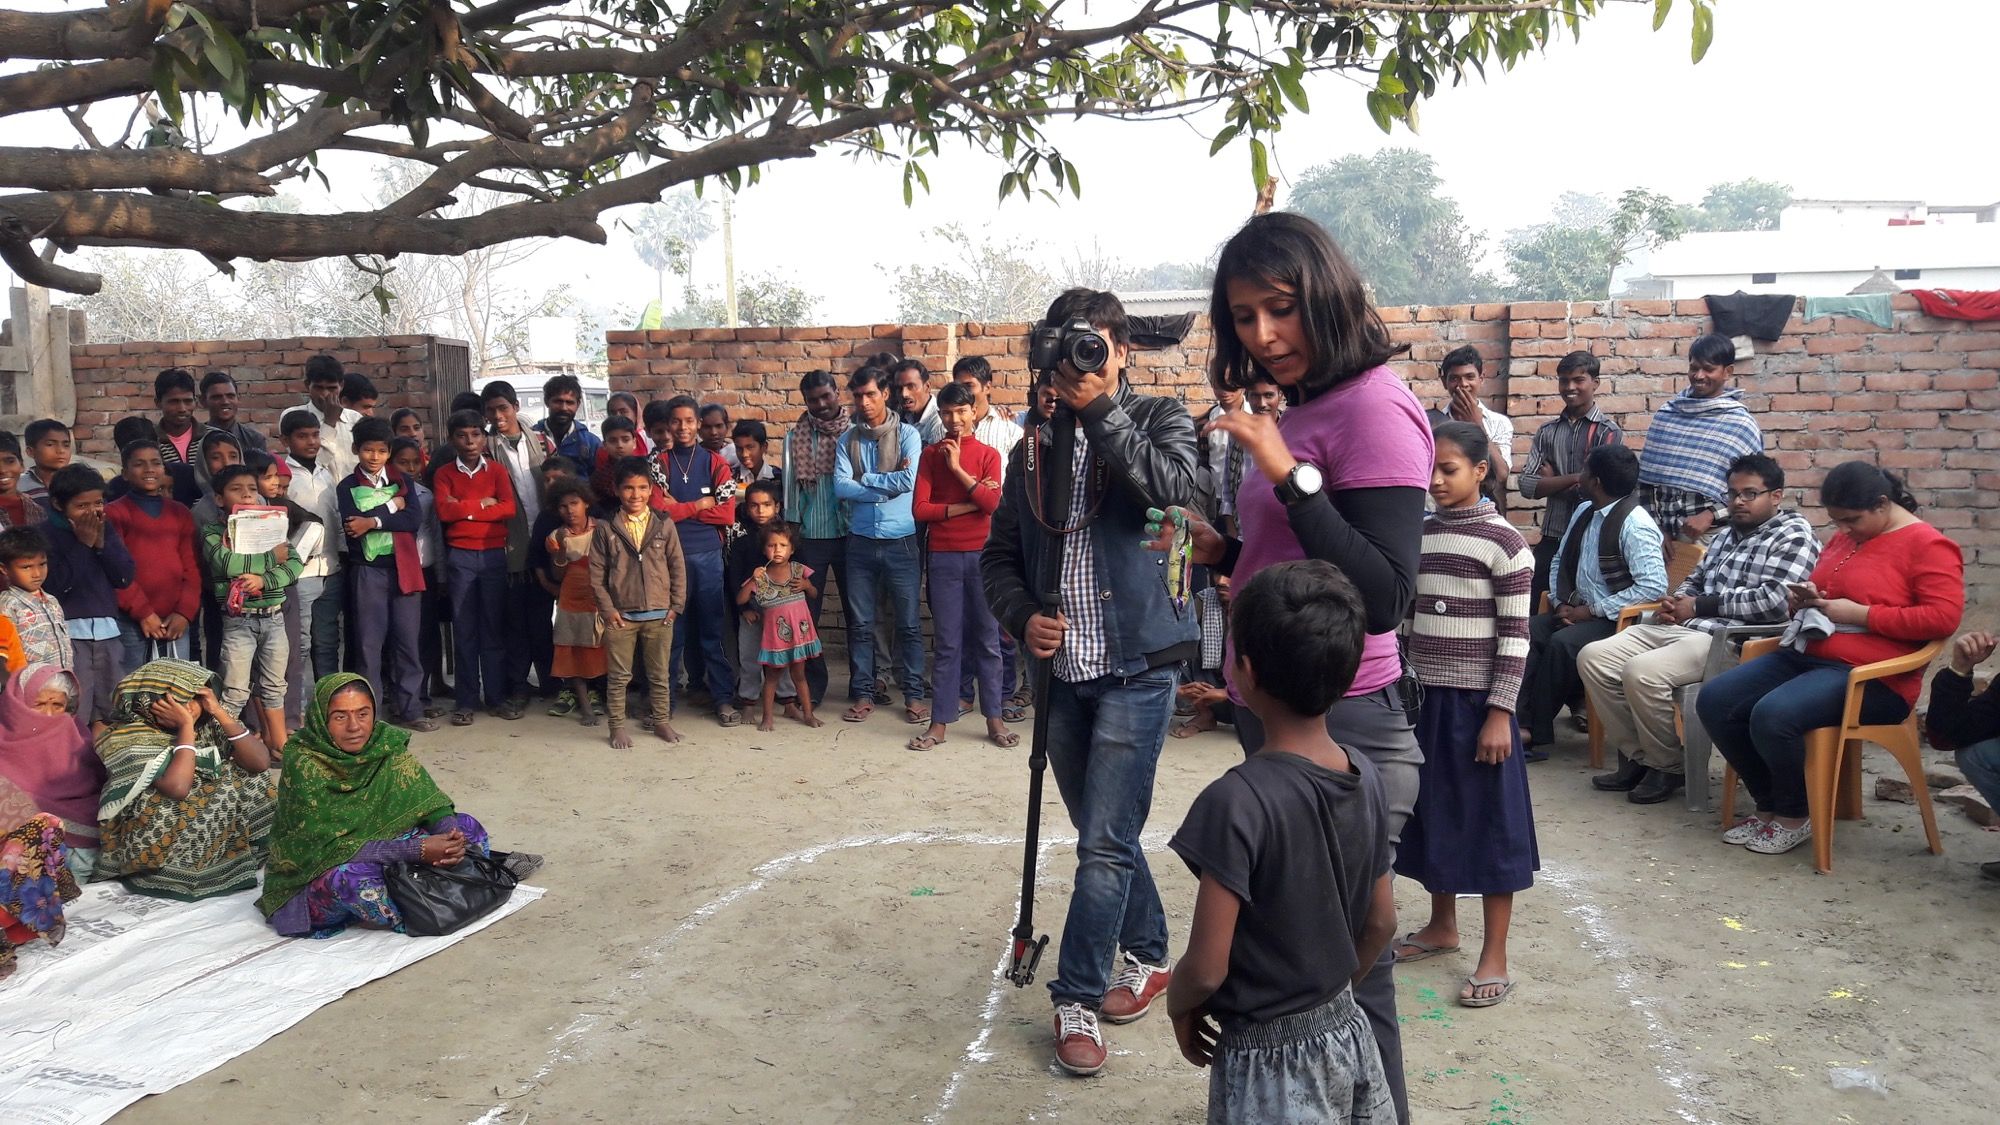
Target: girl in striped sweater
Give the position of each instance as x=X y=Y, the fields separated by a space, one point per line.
x=1473 y=831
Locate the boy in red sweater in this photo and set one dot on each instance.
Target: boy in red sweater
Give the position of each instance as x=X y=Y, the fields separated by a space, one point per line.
x=958 y=486
x=475 y=499
x=156 y=609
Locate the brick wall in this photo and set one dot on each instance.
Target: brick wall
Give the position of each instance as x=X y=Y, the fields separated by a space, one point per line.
x=1920 y=398
x=114 y=380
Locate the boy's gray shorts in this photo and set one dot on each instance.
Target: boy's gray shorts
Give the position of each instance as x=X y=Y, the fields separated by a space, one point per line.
x=1319 y=1066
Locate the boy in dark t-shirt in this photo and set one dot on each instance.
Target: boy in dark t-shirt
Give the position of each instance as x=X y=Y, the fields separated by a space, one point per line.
x=1293 y=855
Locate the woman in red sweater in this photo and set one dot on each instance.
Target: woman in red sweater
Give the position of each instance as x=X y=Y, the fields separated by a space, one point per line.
x=1888 y=583
x=958 y=486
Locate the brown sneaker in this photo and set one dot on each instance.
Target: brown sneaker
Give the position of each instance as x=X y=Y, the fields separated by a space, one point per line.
x=1079 y=1045
x=1134 y=989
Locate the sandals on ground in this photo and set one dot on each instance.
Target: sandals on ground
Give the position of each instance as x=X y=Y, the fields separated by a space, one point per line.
x=1506 y=988
x=924 y=742
x=1005 y=740
x=859 y=712
x=1424 y=950
x=916 y=713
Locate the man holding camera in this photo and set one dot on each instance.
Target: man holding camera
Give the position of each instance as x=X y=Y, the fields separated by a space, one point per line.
x=1067 y=571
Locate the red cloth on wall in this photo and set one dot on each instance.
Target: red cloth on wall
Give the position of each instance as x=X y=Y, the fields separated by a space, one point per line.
x=1959 y=304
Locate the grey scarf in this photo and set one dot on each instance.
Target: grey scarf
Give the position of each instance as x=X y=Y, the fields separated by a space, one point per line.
x=888 y=439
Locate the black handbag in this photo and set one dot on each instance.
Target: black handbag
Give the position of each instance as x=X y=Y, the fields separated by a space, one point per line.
x=442 y=900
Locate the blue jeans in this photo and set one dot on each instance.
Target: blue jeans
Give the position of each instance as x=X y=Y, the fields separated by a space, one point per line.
x=879 y=569
x=1758 y=713
x=1981 y=764
x=480 y=637
x=698 y=632
x=1104 y=745
x=141 y=649
x=966 y=634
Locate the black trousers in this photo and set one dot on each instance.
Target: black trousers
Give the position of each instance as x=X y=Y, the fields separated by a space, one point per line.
x=1551 y=681
x=1545 y=558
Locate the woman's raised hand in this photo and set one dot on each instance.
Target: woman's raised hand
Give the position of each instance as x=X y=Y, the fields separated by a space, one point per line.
x=1206 y=542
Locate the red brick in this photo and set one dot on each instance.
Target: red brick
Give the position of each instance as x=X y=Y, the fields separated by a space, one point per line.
x=1540 y=310
x=1975 y=380
x=1644 y=308
x=1830 y=345
x=1932 y=361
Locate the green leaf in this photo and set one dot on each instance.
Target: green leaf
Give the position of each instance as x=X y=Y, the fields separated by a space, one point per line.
x=1704 y=29
x=1660 y=10
x=1382 y=108
x=1222 y=139
x=1260 y=163
x=1390 y=84
x=1294 y=90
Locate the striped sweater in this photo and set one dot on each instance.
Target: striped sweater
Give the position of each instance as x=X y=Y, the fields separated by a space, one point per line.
x=1468 y=626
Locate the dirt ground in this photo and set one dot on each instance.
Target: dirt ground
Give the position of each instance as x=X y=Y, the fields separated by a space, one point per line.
x=804 y=927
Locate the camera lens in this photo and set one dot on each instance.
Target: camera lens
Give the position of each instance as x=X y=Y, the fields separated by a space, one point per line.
x=1087 y=352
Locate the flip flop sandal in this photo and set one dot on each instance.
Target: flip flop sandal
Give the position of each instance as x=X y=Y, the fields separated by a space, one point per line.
x=923 y=742
x=728 y=716
x=1014 y=713
x=1506 y=988
x=1424 y=950
x=916 y=714
x=1005 y=740
x=1188 y=729
x=859 y=712
x=461 y=718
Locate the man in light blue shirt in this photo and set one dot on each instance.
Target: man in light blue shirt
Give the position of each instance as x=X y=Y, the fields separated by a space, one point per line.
x=1610 y=558
x=875 y=474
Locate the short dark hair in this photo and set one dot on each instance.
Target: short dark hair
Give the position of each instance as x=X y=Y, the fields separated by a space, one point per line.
x=18 y=543
x=10 y=445
x=629 y=467
x=557 y=384
x=709 y=408
x=296 y=420
x=173 y=379
x=132 y=449
x=257 y=461
x=751 y=428
x=679 y=402
x=1616 y=469
x=402 y=412
x=769 y=488
x=1763 y=467
x=562 y=488
x=398 y=445
x=657 y=413
x=324 y=368
x=1104 y=311
x=1464 y=355
x=975 y=366
x=557 y=463
x=464 y=400
x=868 y=375
x=372 y=429
x=1713 y=348
x=499 y=388
x=464 y=420
x=134 y=428
x=953 y=394
x=910 y=364
x=228 y=473
x=41 y=428
x=1578 y=361
x=1293 y=252
x=215 y=379
x=72 y=481
x=1856 y=486
x=356 y=387
x=1300 y=627
x=617 y=422
x=817 y=377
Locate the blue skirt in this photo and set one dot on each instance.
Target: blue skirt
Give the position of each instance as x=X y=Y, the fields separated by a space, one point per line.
x=1473 y=831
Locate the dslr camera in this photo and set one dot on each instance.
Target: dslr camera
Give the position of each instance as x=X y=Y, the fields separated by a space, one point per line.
x=1084 y=347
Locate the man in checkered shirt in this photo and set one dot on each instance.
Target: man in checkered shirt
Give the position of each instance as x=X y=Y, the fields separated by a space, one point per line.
x=1634 y=676
x=1071 y=523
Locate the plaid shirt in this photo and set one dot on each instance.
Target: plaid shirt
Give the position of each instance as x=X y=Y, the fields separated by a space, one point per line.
x=1083 y=655
x=1560 y=448
x=1742 y=578
x=1672 y=507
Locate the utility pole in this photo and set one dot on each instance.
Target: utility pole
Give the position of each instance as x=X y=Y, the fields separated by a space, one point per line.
x=729 y=259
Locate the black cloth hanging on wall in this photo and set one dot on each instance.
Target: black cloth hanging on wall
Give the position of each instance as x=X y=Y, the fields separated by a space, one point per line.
x=1760 y=316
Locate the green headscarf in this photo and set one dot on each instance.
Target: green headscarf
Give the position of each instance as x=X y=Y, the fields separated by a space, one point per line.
x=136 y=752
x=331 y=803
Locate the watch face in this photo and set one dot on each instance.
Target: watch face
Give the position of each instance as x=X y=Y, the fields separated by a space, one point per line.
x=1306 y=478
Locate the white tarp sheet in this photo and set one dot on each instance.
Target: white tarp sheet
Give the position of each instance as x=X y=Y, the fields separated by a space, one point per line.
x=145 y=993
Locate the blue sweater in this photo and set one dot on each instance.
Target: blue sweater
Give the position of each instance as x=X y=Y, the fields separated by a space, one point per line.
x=879 y=503
x=86 y=581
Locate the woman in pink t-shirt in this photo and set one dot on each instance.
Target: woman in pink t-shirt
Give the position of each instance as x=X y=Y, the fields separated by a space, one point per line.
x=1341 y=476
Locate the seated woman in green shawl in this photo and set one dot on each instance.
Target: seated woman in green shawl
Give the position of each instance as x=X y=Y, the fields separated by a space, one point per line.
x=353 y=800
x=188 y=808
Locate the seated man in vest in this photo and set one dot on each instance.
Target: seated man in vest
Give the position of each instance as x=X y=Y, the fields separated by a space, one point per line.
x=1609 y=558
x=1634 y=677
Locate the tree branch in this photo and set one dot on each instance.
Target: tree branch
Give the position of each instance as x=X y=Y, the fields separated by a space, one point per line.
x=154 y=169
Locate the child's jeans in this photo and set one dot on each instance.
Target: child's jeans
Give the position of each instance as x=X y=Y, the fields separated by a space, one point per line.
x=254 y=645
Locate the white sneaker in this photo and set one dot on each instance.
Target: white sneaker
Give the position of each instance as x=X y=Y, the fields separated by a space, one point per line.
x=1746 y=830
x=1778 y=839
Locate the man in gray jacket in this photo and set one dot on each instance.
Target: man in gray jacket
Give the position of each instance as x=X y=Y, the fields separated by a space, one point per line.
x=1067 y=571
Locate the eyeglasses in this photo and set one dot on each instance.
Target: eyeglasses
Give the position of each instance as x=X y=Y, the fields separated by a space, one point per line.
x=1751 y=495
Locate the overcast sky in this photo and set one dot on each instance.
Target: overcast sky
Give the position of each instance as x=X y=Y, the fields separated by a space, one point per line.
x=1838 y=98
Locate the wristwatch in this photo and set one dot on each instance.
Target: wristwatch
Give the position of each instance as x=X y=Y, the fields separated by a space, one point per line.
x=1301 y=484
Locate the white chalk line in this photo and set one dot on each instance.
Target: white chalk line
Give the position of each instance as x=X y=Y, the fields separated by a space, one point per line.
x=1670 y=1060
x=975 y=1052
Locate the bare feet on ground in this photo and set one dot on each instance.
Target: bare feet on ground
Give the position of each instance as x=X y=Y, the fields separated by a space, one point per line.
x=620 y=740
x=666 y=732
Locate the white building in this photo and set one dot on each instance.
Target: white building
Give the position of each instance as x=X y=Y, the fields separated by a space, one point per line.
x=1825 y=248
